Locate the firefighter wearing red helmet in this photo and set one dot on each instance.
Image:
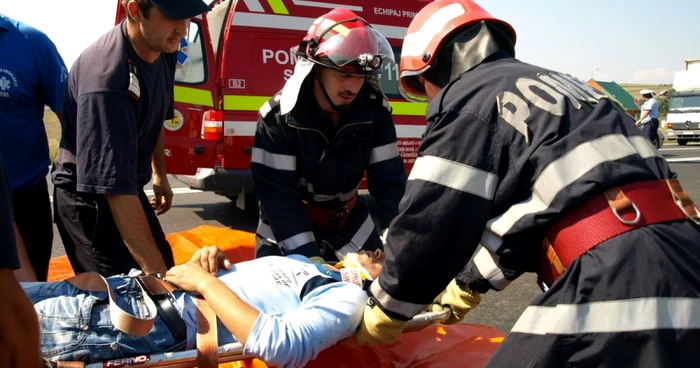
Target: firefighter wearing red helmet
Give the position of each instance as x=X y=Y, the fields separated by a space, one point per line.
x=316 y=138
x=524 y=169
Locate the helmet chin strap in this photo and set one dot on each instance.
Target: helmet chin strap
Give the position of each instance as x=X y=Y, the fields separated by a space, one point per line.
x=335 y=107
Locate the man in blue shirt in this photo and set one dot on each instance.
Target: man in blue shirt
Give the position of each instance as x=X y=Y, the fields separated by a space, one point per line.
x=32 y=76
x=649 y=120
x=284 y=310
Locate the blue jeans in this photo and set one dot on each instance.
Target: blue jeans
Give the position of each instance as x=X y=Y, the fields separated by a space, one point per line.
x=76 y=324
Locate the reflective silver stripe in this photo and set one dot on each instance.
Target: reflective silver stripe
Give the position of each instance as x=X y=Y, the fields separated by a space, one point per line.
x=358 y=240
x=134 y=86
x=343 y=197
x=265 y=109
x=489 y=269
x=383 y=153
x=454 y=175
x=611 y=316
x=265 y=231
x=405 y=309
x=490 y=241
x=569 y=168
x=297 y=240
x=274 y=160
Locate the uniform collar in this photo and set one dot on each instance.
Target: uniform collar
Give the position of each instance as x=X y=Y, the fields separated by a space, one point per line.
x=5 y=22
x=307 y=113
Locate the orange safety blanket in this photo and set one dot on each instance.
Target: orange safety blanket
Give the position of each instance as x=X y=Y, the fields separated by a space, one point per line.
x=463 y=345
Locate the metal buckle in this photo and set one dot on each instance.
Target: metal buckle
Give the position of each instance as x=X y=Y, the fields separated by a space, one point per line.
x=337 y=214
x=679 y=203
x=543 y=285
x=638 y=215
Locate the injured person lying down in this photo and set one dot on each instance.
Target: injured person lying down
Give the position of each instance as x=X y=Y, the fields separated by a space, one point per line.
x=284 y=310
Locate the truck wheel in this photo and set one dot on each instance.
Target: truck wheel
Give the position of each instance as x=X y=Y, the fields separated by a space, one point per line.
x=682 y=142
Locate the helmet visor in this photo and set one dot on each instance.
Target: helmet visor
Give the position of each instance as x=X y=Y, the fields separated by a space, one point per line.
x=359 y=50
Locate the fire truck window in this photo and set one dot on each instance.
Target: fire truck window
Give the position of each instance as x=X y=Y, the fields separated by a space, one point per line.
x=190 y=58
x=390 y=76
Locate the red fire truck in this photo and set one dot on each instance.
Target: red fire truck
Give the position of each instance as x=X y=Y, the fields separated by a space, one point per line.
x=238 y=55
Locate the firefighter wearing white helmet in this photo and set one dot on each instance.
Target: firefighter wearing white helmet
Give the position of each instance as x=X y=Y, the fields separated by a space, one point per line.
x=317 y=137
x=524 y=169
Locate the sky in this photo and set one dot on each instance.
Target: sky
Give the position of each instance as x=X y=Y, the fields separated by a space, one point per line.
x=641 y=41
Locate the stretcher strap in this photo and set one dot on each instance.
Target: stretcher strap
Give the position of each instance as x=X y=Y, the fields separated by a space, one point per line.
x=207 y=341
x=122 y=320
x=76 y=364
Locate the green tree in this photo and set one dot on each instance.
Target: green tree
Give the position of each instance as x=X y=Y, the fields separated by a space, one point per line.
x=663 y=103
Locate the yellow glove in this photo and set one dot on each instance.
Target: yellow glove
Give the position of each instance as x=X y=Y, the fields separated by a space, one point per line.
x=460 y=300
x=378 y=328
x=317 y=259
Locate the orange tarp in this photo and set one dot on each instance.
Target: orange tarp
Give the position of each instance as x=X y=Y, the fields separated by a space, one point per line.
x=462 y=345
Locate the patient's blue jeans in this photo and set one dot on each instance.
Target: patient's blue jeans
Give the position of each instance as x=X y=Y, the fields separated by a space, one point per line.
x=76 y=324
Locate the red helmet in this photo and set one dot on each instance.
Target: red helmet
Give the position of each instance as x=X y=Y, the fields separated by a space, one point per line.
x=434 y=24
x=342 y=40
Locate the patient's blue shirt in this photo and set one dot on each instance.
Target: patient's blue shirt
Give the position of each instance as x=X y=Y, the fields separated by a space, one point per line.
x=303 y=308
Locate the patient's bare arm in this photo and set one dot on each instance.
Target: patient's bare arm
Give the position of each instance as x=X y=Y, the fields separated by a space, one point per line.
x=234 y=313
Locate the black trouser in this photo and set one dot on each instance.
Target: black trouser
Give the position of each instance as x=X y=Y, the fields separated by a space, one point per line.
x=650 y=129
x=32 y=213
x=91 y=237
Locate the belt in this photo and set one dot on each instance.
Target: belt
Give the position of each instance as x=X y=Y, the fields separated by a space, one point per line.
x=164 y=300
x=608 y=215
x=327 y=217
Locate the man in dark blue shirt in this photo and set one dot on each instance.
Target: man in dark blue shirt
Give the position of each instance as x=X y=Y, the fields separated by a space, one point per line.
x=19 y=328
x=32 y=76
x=119 y=93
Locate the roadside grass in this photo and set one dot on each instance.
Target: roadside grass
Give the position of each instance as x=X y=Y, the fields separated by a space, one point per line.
x=53 y=132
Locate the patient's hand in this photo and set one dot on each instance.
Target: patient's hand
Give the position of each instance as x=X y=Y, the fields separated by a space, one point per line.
x=211 y=258
x=190 y=277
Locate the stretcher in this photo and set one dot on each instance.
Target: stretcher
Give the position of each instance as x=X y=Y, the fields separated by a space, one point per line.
x=426 y=342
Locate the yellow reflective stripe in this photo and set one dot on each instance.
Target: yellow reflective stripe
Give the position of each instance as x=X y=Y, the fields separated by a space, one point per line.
x=278 y=7
x=193 y=96
x=408 y=108
x=253 y=103
x=244 y=103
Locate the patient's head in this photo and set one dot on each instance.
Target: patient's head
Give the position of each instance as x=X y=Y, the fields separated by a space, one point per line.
x=372 y=261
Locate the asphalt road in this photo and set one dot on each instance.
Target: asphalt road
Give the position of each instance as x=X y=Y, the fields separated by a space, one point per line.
x=193 y=208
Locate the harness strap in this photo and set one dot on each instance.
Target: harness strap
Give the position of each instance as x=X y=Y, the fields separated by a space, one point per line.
x=207 y=341
x=615 y=212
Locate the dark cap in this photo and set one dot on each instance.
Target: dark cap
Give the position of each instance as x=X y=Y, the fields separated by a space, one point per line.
x=181 y=9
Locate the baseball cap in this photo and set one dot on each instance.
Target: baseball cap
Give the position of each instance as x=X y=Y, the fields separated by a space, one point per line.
x=181 y=9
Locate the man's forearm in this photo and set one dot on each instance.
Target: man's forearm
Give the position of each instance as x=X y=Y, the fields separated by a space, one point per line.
x=238 y=317
x=19 y=327
x=643 y=116
x=136 y=233
x=158 y=158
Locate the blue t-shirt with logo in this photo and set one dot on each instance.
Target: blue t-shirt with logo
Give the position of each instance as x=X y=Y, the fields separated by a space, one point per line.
x=32 y=76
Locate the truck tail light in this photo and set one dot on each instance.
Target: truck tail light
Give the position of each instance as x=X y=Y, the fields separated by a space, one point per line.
x=213 y=125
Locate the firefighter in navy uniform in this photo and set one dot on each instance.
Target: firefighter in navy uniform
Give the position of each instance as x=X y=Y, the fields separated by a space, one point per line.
x=316 y=138
x=548 y=176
